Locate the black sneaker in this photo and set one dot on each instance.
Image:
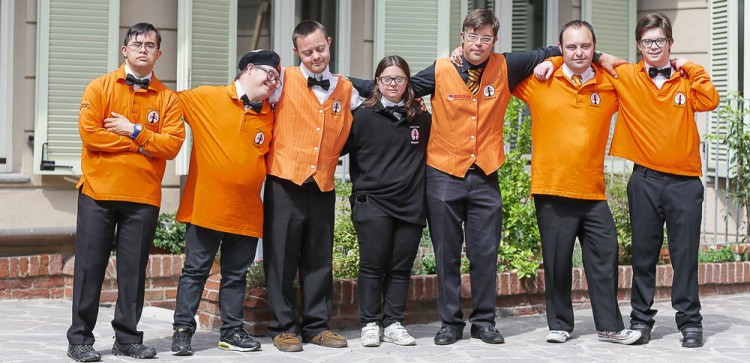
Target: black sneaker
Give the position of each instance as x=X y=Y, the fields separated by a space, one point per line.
x=645 y=330
x=181 y=342
x=135 y=350
x=239 y=340
x=83 y=353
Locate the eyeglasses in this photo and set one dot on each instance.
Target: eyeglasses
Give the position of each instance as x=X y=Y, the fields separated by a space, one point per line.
x=473 y=37
x=647 y=43
x=270 y=76
x=136 y=46
x=387 y=80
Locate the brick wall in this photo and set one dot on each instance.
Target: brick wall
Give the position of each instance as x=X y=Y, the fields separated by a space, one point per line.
x=51 y=276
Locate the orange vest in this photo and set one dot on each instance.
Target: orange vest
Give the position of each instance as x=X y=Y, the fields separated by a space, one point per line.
x=111 y=165
x=308 y=136
x=468 y=129
x=227 y=165
x=569 y=131
x=656 y=127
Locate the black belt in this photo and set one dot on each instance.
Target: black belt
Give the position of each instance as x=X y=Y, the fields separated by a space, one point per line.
x=651 y=172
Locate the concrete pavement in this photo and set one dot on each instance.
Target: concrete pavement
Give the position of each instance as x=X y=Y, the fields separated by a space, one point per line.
x=34 y=331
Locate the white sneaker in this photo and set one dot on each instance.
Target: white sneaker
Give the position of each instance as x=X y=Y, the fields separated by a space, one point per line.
x=558 y=336
x=371 y=335
x=625 y=336
x=397 y=334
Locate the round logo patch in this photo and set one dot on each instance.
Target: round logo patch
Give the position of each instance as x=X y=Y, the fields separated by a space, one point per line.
x=336 y=107
x=414 y=135
x=489 y=91
x=679 y=99
x=153 y=117
x=260 y=138
x=595 y=99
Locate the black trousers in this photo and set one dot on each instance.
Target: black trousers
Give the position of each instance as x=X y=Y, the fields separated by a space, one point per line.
x=469 y=207
x=237 y=253
x=95 y=229
x=656 y=198
x=298 y=237
x=560 y=221
x=387 y=248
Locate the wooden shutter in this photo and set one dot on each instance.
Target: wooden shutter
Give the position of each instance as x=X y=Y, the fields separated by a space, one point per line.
x=723 y=56
x=76 y=42
x=207 y=51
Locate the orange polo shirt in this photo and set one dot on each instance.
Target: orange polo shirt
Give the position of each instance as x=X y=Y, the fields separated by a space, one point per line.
x=569 y=131
x=656 y=127
x=227 y=166
x=468 y=129
x=308 y=136
x=112 y=166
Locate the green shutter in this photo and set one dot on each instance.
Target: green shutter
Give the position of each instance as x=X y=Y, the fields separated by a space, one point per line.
x=76 y=42
x=723 y=70
x=522 y=35
x=614 y=23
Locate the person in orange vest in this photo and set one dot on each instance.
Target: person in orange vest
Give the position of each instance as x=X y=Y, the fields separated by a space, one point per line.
x=656 y=130
x=313 y=119
x=232 y=129
x=387 y=150
x=130 y=125
x=571 y=114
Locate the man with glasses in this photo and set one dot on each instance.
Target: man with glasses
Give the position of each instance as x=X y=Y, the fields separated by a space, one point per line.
x=656 y=130
x=313 y=120
x=130 y=125
x=232 y=128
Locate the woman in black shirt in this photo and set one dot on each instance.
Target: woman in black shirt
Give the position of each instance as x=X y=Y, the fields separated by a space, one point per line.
x=387 y=147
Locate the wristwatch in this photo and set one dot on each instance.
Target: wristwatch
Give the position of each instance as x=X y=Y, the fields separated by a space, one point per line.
x=597 y=55
x=136 y=130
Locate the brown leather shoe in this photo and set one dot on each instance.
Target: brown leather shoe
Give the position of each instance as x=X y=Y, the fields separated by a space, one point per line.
x=330 y=339
x=287 y=342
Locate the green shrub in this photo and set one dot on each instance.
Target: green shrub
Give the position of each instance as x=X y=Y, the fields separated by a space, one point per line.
x=256 y=277
x=617 y=196
x=721 y=254
x=345 y=244
x=170 y=234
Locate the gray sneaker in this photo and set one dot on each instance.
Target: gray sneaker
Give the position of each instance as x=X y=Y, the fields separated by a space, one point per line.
x=625 y=336
x=397 y=334
x=558 y=336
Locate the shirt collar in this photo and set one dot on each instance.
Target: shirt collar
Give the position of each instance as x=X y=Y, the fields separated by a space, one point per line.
x=307 y=73
x=238 y=87
x=465 y=65
x=128 y=71
x=667 y=65
x=585 y=76
x=386 y=102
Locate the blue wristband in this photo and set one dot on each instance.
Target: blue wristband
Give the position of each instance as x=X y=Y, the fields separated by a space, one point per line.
x=136 y=130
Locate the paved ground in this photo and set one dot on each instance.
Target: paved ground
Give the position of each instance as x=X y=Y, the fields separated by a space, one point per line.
x=34 y=331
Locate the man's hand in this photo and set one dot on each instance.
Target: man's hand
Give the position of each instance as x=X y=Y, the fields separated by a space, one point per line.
x=455 y=56
x=678 y=63
x=421 y=104
x=118 y=124
x=544 y=70
x=608 y=62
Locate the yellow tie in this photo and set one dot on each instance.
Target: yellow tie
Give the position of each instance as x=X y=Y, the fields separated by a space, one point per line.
x=473 y=81
x=577 y=80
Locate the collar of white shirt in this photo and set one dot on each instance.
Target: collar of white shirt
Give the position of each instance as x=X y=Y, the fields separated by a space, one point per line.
x=667 y=65
x=137 y=86
x=585 y=76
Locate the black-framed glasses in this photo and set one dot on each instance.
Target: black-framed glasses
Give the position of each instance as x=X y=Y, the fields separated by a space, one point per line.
x=387 y=80
x=660 y=42
x=473 y=37
x=270 y=76
x=136 y=46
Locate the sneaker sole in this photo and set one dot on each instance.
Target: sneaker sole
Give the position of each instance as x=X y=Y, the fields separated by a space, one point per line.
x=371 y=344
x=119 y=352
x=181 y=353
x=556 y=340
x=387 y=340
x=628 y=341
x=83 y=360
x=227 y=346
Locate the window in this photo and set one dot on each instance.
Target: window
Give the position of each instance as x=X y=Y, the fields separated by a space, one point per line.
x=6 y=85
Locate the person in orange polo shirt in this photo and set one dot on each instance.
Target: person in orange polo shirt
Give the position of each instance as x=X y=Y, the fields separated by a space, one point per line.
x=656 y=130
x=571 y=114
x=313 y=120
x=221 y=203
x=130 y=125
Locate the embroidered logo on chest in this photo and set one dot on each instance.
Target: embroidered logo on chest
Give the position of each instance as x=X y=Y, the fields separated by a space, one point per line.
x=336 y=107
x=153 y=117
x=259 y=138
x=596 y=100
x=680 y=99
x=488 y=91
x=415 y=134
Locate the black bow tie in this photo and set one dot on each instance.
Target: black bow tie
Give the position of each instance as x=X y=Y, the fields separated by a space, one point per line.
x=324 y=83
x=396 y=109
x=131 y=80
x=653 y=72
x=255 y=105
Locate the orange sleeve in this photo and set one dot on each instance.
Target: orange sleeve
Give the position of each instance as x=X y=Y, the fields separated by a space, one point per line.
x=704 y=94
x=524 y=89
x=557 y=62
x=91 y=124
x=166 y=143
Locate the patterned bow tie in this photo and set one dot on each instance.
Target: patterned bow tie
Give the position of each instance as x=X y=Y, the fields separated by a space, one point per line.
x=323 y=83
x=131 y=80
x=396 y=109
x=653 y=72
x=255 y=105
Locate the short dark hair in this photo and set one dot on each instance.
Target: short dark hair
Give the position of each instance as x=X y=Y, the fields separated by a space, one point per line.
x=653 y=20
x=480 y=18
x=140 y=29
x=578 y=24
x=410 y=103
x=307 y=27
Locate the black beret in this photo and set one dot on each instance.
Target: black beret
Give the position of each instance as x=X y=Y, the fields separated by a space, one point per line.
x=261 y=57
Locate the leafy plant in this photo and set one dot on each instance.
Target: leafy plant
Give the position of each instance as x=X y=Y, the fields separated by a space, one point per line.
x=520 y=247
x=721 y=254
x=256 y=277
x=617 y=196
x=170 y=234
x=733 y=113
x=345 y=243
